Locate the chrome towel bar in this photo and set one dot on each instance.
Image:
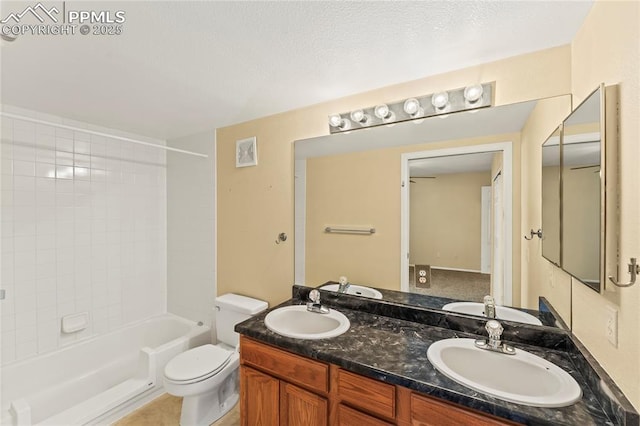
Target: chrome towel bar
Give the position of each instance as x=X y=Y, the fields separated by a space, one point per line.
x=340 y=230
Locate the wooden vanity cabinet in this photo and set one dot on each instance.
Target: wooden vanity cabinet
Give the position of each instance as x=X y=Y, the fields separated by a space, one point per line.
x=280 y=388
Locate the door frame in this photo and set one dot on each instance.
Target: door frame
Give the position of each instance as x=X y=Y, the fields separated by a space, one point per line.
x=507 y=172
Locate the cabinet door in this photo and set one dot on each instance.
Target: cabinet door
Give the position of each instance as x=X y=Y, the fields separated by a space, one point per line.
x=259 y=396
x=299 y=407
x=430 y=412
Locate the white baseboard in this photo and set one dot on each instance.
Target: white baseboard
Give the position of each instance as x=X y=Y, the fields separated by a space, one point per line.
x=444 y=268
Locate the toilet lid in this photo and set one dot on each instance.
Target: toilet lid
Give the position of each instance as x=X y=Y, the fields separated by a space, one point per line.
x=202 y=361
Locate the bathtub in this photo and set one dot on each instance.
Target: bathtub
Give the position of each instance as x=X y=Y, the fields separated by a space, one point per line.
x=99 y=379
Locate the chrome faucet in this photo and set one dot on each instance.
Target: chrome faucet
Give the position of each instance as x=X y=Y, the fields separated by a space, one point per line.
x=489 y=307
x=494 y=343
x=314 y=305
x=343 y=284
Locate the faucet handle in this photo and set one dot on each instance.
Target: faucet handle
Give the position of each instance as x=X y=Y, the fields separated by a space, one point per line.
x=488 y=299
x=343 y=280
x=314 y=296
x=495 y=329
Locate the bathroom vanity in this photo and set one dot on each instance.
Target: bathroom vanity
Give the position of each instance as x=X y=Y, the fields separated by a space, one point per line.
x=279 y=387
x=377 y=373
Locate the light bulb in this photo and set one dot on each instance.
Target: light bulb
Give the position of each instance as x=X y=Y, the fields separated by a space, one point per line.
x=473 y=93
x=382 y=111
x=413 y=108
x=335 y=120
x=359 y=116
x=440 y=100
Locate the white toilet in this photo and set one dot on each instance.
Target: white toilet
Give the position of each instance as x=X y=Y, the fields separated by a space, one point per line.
x=207 y=376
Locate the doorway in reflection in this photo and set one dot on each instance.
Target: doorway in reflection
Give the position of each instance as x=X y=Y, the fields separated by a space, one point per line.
x=456 y=233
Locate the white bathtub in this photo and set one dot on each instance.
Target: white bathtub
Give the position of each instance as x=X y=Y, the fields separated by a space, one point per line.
x=99 y=379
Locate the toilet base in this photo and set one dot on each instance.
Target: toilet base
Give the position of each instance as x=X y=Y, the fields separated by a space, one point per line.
x=205 y=408
x=198 y=412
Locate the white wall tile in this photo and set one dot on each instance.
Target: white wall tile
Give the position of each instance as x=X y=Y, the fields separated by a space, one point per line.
x=24 y=168
x=24 y=183
x=24 y=152
x=26 y=348
x=46 y=184
x=6 y=166
x=7 y=232
x=8 y=323
x=26 y=319
x=64 y=144
x=8 y=347
x=46 y=154
x=83 y=223
x=47 y=341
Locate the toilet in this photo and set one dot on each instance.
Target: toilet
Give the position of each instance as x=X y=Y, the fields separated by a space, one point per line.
x=207 y=376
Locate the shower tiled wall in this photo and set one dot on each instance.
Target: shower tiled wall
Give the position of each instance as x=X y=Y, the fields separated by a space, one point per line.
x=83 y=230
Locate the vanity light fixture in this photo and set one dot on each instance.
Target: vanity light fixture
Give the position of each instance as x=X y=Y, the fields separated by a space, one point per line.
x=441 y=103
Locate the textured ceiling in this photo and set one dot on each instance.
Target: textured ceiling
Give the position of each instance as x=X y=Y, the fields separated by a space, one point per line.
x=181 y=67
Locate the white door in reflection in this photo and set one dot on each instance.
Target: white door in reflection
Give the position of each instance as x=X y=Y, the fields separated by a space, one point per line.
x=497 y=267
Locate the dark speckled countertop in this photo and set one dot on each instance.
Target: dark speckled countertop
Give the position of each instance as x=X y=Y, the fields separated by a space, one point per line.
x=395 y=351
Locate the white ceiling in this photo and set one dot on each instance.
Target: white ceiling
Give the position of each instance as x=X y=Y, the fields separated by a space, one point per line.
x=182 y=67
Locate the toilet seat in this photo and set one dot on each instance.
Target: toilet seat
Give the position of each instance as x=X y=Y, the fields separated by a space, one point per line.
x=197 y=364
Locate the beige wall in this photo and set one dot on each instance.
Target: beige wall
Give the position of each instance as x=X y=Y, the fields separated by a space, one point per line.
x=606 y=49
x=256 y=203
x=359 y=189
x=445 y=220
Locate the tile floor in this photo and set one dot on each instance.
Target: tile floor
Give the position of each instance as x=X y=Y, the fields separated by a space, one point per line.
x=165 y=411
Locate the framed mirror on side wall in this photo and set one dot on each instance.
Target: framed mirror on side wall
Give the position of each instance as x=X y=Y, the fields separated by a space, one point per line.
x=551 y=198
x=583 y=204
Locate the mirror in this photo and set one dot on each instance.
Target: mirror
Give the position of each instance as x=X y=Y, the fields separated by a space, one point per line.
x=551 y=198
x=582 y=212
x=354 y=181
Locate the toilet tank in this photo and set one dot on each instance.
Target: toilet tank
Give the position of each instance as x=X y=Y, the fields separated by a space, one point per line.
x=232 y=309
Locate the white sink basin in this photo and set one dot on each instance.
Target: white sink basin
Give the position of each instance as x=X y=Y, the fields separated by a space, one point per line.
x=502 y=312
x=522 y=378
x=357 y=290
x=297 y=322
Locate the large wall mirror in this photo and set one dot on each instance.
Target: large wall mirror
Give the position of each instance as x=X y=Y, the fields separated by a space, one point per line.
x=356 y=181
x=583 y=192
x=551 y=198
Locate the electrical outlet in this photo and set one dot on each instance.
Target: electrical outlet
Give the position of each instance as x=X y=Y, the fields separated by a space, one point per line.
x=611 y=329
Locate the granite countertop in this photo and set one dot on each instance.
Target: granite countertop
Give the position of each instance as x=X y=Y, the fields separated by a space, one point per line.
x=437 y=302
x=395 y=351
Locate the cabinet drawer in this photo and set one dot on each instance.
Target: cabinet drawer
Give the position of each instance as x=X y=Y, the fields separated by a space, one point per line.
x=302 y=371
x=430 y=412
x=347 y=416
x=370 y=395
